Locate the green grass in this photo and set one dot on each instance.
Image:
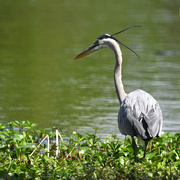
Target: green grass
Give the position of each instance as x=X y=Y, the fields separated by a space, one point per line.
x=83 y=156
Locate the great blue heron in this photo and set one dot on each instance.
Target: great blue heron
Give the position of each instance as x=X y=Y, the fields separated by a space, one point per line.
x=139 y=114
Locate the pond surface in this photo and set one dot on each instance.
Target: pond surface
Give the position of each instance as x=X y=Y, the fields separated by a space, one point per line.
x=40 y=82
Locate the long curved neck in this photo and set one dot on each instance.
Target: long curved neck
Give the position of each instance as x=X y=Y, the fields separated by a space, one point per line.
x=117 y=72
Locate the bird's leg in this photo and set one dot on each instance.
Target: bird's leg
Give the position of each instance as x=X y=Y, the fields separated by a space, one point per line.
x=146 y=143
x=134 y=147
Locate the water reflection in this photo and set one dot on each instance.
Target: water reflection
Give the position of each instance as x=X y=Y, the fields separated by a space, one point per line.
x=170 y=52
x=40 y=82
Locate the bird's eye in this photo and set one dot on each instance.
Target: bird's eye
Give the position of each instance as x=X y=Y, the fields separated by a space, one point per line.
x=96 y=42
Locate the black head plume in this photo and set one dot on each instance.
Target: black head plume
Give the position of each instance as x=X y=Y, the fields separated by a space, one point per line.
x=121 y=42
x=124 y=30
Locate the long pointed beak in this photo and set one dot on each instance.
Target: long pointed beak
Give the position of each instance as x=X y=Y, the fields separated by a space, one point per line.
x=89 y=50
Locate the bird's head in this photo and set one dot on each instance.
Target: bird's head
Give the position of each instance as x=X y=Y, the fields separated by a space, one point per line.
x=102 y=42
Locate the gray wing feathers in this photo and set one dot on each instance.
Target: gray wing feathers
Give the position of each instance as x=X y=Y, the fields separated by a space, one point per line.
x=140 y=114
x=154 y=121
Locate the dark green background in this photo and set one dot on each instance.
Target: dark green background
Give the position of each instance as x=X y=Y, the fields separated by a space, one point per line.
x=40 y=82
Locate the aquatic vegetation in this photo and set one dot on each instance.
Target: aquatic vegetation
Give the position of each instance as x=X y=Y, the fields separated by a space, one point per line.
x=83 y=156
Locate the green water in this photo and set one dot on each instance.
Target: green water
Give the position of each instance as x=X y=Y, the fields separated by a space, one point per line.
x=41 y=83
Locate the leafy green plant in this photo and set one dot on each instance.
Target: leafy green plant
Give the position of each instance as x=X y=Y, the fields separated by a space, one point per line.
x=83 y=156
